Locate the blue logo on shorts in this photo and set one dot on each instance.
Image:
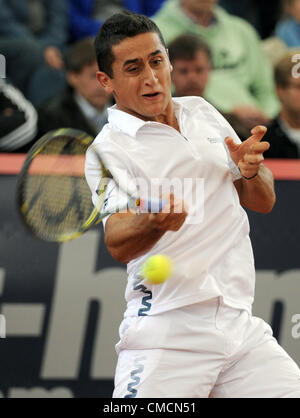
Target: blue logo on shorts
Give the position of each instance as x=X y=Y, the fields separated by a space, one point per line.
x=142 y=288
x=134 y=376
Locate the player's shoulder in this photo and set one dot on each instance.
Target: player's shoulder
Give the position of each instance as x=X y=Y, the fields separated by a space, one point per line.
x=199 y=108
x=109 y=141
x=108 y=137
x=103 y=135
x=196 y=104
x=190 y=102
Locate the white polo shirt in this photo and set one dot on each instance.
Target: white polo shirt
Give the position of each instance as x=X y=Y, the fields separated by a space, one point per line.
x=212 y=252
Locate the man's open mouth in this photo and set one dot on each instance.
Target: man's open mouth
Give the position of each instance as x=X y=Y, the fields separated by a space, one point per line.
x=151 y=95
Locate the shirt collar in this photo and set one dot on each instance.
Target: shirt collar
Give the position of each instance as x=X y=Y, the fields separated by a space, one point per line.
x=123 y=121
x=88 y=110
x=292 y=134
x=130 y=124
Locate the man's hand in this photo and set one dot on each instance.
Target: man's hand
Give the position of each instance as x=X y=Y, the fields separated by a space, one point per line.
x=129 y=236
x=53 y=57
x=249 y=154
x=172 y=216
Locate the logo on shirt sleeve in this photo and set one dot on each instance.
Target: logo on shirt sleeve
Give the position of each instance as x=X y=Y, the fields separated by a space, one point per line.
x=215 y=140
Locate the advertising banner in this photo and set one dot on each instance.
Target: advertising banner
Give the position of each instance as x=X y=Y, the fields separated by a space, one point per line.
x=61 y=304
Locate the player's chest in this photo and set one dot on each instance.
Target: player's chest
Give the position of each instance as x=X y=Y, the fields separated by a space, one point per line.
x=198 y=151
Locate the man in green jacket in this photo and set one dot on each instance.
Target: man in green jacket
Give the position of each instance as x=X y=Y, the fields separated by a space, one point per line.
x=242 y=79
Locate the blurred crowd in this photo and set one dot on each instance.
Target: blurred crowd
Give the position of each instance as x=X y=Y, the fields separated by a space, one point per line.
x=241 y=56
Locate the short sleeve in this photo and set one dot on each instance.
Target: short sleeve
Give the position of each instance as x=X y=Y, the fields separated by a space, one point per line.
x=235 y=172
x=227 y=130
x=114 y=197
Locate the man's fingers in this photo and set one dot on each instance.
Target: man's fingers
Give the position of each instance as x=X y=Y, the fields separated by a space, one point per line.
x=260 y=129
x=170 y=221
x=169 y=198
x=247 y=169
x=260 y=147
x=232 y=146
x=257 y=133
x=253 y=158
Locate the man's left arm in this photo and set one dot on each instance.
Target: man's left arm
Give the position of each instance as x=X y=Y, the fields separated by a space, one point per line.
x=256 y=187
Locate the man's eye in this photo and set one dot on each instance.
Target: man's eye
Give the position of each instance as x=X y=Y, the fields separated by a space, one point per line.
x=157 y=61
x=132 y=69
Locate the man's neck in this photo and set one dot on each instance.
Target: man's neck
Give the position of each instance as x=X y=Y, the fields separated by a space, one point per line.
x=167 y=117
x=203 y=18
x=291 y=119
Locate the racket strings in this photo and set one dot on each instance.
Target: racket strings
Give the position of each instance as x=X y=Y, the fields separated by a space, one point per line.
x=57 y=199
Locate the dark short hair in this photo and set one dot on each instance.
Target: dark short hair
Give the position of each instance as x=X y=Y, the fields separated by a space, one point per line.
x=283 y=69
x=286 y=6
x=117 y=28
x=186 y=46
x=80 y=55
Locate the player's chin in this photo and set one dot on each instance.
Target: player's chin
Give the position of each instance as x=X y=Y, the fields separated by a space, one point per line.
x=193 y=92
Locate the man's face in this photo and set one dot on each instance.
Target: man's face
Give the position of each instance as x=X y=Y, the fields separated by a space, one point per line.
x=190 y=77
x=200 y=6
x=86 y=84
x=295 y=9
x=290 y=96
x=141 y=80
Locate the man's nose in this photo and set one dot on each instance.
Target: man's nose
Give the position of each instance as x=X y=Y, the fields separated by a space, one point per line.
x=192 y=76
x=150 y=76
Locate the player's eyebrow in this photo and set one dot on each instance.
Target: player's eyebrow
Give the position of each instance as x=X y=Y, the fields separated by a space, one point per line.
x=158 y=51
x=135 y=60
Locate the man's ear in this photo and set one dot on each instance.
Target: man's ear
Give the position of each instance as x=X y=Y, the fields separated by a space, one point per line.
x=72 y=78
x=171 y=66
x=280 y=92
x=105 y=81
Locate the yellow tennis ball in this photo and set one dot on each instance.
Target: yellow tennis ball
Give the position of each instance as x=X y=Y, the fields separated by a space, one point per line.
x=157 y=268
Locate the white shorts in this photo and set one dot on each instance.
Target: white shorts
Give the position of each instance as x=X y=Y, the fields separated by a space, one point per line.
x=202 y=350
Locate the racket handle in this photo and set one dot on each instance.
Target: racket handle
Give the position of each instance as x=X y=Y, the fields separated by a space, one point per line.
x=151 y=205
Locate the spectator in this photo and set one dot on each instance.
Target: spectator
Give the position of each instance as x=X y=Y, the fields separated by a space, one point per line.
x=18 y=119
x=263 y=15
x=83 y=104
x=284 y=131
x=242 y=78
x=86 y=16
x=246 y=9
x=191 y=60
x=288 y=29
x=274 y=49
x=32 y=36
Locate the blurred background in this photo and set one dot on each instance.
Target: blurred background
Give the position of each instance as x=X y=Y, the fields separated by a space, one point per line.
x=61 y=304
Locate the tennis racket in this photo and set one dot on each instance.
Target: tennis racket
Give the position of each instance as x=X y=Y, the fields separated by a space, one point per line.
x=53 y=197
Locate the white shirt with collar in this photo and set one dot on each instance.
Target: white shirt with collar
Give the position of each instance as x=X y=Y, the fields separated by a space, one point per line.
x=292 y=133
x=94 y=116
x=212 y=253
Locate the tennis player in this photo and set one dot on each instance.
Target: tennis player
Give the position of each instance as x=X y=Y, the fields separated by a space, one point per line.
x=194 y=335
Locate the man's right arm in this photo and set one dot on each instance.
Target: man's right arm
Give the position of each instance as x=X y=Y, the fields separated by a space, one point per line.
x=129 y=236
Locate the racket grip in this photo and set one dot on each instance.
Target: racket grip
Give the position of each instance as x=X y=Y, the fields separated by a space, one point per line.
x=151 y=205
